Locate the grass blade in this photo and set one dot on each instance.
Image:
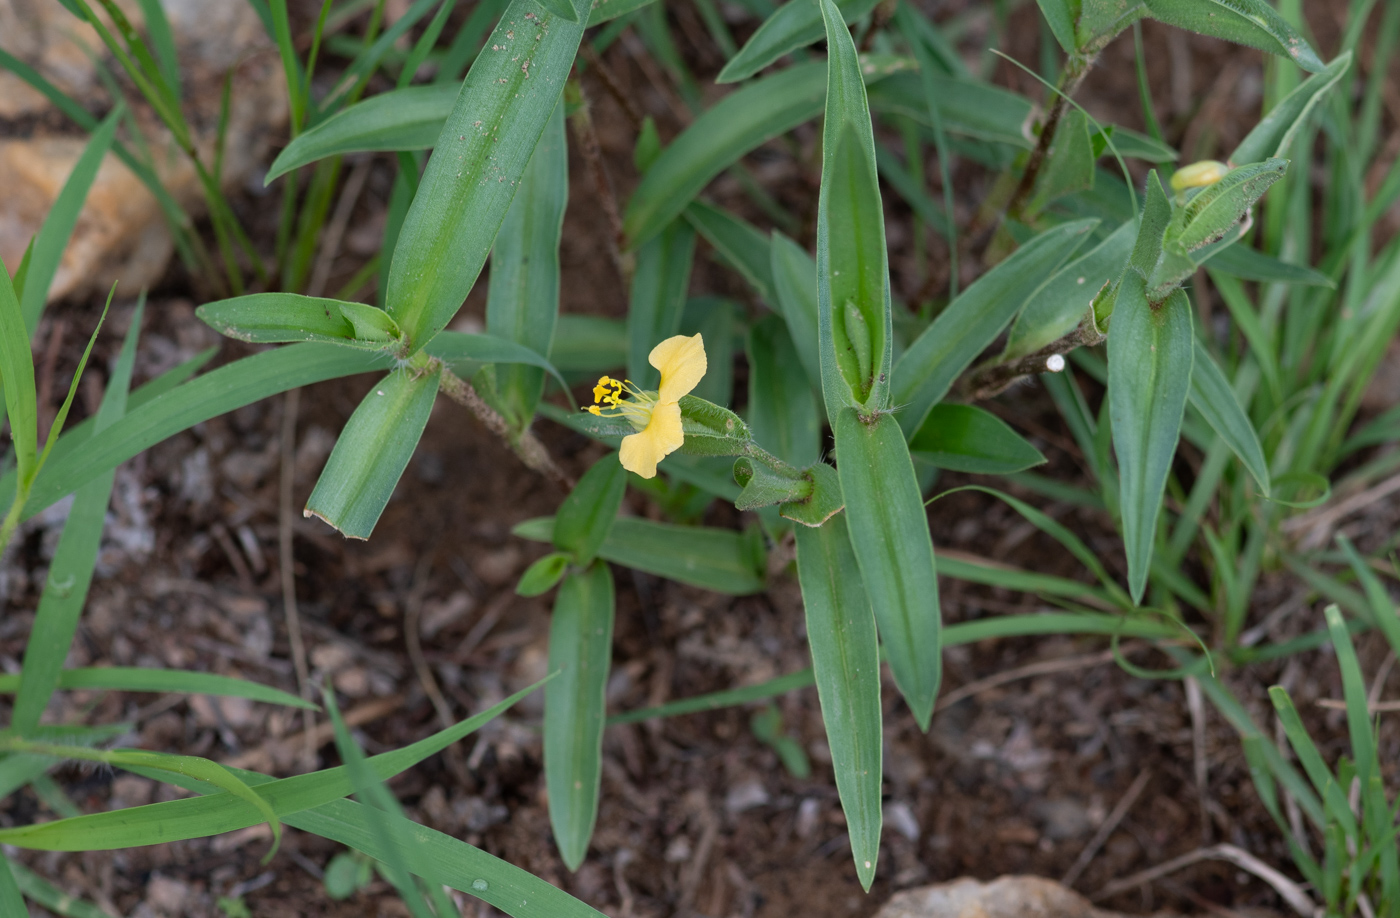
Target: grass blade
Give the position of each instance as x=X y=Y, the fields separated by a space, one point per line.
x=70 y=574
x=580 y=646
x=792 y=26
x=846 y=666
x=783 y=412
x=58 y=225
x=1214 y=397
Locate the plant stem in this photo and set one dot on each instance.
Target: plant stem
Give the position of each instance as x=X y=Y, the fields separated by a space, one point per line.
x=525 y=444
x=1076 y=68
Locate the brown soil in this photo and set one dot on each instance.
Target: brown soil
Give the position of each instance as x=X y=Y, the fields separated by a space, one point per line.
x=697 y=816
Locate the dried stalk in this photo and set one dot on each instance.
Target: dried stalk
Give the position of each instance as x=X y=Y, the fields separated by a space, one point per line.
x=525 y=444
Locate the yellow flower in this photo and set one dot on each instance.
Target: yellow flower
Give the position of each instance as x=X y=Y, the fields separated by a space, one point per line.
x=1197 y=175
x=655 y=415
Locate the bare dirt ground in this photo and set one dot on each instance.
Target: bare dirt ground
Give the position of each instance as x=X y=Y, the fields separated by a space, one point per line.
x=697 y=817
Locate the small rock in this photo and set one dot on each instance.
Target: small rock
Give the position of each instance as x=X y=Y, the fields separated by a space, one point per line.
x=1063 y=818
x=745 y=796
x=496 y=568
x=678 y=851
x=168 y=896
x=1004 y=897
x=808 y=814
x=439 y=613
x=899 y=817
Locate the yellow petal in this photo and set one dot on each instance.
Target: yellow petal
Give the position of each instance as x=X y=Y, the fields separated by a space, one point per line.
x=682 y=363
x=643 y=450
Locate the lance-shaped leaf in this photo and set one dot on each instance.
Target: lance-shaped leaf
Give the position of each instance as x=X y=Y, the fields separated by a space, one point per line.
x=658 y=298
x=372 y=452
x=722 y=134
x=853 y=282
x=783 y=413
x=401 y=119
x=1057 y=308
x=523 y=302
x=1150 y=353
x=846 y=663
x=795 y=284
x=1060 y=16
x=928 y=368
x=1214 y=397
x=1211 y=218
x=965 y=438
x=588 y=512
x=713 y=559
x=967 y=107
x=472 y=176
x=274 y=318
x=825 y=501
x=1273 y=135
x=1241 y=261
x=580 y=649
x=739 y=243
x=890 y=536
x=791 y=26
x=1246 y=22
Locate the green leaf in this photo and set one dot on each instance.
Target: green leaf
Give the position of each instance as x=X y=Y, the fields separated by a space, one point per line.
x=712 y=559
x=657 y=298
x=62 y=217
x=379 y=806
x=853 y=282
x=890 y=536
x=11 y=901
x=523 y=302
x=266 y=318
x=764 y=486
x=1152 y=227
x=588 y=512
x=400 y=119
x=1246 y=22
x=1067 y=298
x=201 y=817
x=1382 y=607
x=1150 y=351
x=795 y=285
x=1070 y=164
x=714 y=318
x=141 y=679
x=485 y=146
x=561 y=8
x=1334 y=798
x=1363 y=739
x=1215 y=209
x=738 y=243
x=1273 y=135
x=1214 y=397
x=580 y=647
x=846 y=664
x=589 y=344
x=606 y=10
x=967 y=107
x=965 y=438
x=783 y=413
x=1060 y=16
x=929 y=366
x=372 y=452
x=794 y=25
x=78 y=459
x=17 y=376
x=722 y=134
x=44 y=893
x=1239 y=260
x=541 y=576
x=466 y=353
x=825 y=501
x=70 y=574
